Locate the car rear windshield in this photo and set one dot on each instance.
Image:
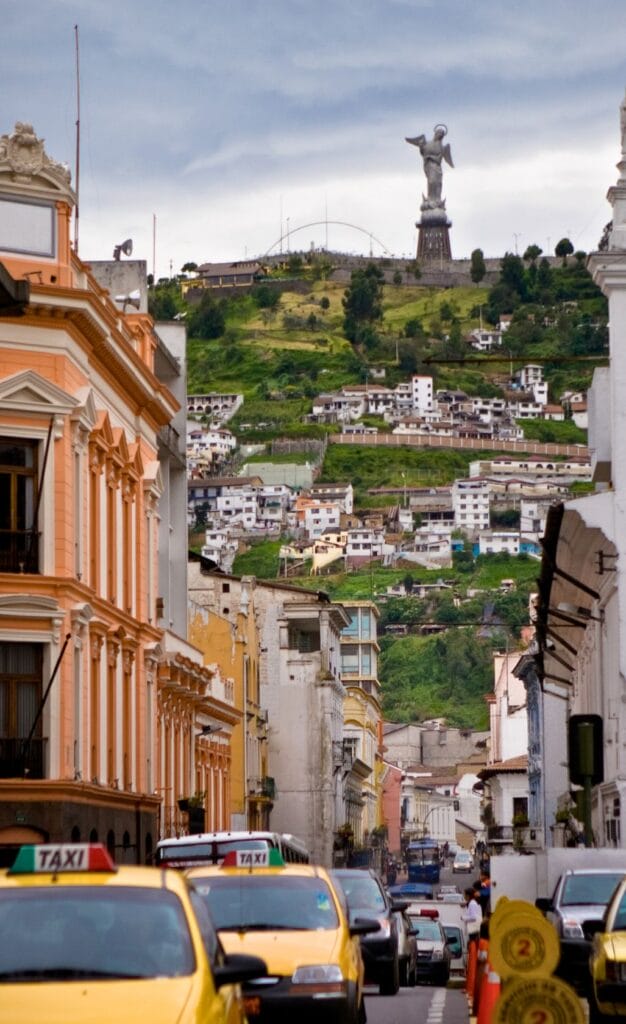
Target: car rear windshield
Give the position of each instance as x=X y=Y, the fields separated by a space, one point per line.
x=583 y=889
x=425 y=928
x=362 y=892
x=268 y=902
x=79 y=932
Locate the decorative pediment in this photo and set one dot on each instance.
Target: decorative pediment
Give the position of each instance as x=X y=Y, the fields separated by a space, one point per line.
x=24 y=162
x=28 y=391
x=103 y=431
x=86 y=413
x=29 y=607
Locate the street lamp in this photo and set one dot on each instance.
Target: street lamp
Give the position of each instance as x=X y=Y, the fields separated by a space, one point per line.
x=516 y=235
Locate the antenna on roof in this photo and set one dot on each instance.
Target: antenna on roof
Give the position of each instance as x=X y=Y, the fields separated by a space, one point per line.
x=77 y=182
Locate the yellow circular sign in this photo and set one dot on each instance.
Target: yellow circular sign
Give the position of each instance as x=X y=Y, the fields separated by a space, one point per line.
x=538 y=1001
x=524 y=944
x=505 y=906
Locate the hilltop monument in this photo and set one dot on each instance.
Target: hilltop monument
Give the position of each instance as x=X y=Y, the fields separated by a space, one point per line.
x=433 y=240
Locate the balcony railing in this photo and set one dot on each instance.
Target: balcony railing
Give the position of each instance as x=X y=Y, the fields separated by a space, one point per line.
x=264 y=786
x=19 y=551
x=500 y=834
x=22 y=759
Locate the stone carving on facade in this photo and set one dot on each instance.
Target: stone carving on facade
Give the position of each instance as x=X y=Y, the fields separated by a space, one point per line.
x=23 y=154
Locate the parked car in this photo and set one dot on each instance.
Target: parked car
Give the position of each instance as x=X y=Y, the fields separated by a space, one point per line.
x=407 y=949
x=367 y=898
x=607 y=961
x=463 y=861
x=581 y=895
x=412 y=891
x=433 y=951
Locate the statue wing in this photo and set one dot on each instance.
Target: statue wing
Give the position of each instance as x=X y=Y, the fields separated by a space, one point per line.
x=418 y=141
x=447 y=155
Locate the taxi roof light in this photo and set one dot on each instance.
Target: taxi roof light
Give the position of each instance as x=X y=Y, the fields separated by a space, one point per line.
x=265 y=858
x=52 y=858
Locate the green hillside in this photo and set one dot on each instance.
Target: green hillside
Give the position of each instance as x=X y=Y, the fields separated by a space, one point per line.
x=283 y=345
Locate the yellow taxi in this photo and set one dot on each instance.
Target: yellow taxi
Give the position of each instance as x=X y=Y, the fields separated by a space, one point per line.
x=82 y=940
x=607 y=960
x=297 y=921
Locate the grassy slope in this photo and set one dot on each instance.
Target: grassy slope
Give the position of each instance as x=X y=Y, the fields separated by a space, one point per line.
x=259 y=354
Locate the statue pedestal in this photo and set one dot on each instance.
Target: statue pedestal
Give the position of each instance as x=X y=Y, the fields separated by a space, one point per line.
x=433 y=240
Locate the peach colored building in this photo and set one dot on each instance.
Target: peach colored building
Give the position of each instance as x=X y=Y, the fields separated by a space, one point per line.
x=103 y=701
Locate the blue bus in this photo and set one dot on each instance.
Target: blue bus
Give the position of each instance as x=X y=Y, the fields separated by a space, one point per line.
x=423 y=858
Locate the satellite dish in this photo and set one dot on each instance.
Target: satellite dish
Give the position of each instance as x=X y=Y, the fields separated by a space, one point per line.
x=124 y=247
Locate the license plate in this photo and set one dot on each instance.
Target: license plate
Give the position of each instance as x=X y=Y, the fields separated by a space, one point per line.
x=252 y=1005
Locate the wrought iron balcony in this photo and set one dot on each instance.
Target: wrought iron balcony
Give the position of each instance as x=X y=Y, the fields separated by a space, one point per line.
x=22 y=759
x=19 y=551
x=265 y=787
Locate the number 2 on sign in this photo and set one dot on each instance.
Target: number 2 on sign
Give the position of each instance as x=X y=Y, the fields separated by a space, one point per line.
x=524 y=949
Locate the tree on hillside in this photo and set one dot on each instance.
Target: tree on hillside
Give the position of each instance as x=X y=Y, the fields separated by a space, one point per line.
x=189 y=268
x=563 y=249
x=206 y=319
x=414 y=269
x=532 y=253
x=266 y=297
x=478 y=268
x=363 y=304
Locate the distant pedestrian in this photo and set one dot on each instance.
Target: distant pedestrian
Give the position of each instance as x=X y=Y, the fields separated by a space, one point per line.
x=472 y=915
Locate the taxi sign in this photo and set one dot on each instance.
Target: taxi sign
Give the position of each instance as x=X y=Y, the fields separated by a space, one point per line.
x=52 y=858
x=253 y=859
x=538 y=1001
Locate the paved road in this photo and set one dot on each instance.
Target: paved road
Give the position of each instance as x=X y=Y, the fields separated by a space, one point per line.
x=421 y=1005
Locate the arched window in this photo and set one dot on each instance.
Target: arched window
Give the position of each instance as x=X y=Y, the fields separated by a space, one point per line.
x=93 y=836
x=111 y=842
x=75 y=837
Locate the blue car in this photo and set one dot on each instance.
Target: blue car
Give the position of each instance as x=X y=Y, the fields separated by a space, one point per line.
x=413 y=890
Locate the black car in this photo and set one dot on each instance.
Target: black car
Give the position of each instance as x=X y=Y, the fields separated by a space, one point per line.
x=367 y=897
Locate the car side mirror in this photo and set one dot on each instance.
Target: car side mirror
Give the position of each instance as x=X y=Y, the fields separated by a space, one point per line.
x=592 y=927
x=544 y=904
x=364 y=925
x=238 y=967
x=399 y=905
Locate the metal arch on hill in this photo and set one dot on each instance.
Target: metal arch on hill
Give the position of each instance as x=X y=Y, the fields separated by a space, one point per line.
x=317 y=223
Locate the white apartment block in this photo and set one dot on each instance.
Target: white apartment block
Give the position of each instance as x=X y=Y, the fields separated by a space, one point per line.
x=537 y=466
x=485 y=341
x=220 y=547
x=470 y=503
x=363 y=545
x=318 y=517
x=238 y=507
x=218 y=408
x=342 y=494
x=497 y=542
x=422 y=392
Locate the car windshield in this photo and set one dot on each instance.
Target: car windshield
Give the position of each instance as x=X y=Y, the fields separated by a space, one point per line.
x=268 y=902
x=79 y=932
x=588 y=889
x=426 y=928
x=462 y=856
x=362 y=892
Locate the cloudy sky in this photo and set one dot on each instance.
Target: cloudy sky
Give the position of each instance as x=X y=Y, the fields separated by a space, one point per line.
x=237 y=122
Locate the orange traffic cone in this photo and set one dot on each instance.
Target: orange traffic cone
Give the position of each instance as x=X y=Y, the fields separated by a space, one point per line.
x=470 y=978
x=488 y=997
x=482 y=969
